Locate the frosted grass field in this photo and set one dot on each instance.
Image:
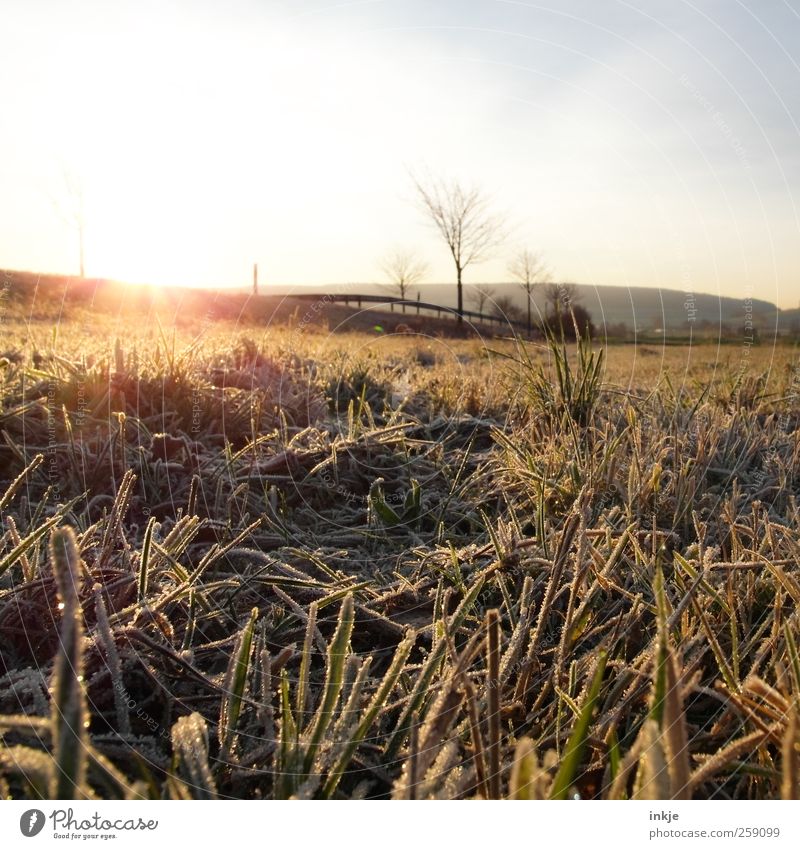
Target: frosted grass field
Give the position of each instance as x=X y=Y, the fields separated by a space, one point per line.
x=280 y=562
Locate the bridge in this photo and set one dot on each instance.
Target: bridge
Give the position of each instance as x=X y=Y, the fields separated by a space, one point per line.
x=416 y=306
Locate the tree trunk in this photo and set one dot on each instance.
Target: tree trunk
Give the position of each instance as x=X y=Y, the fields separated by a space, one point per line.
x=460 y=318
x=529 y=314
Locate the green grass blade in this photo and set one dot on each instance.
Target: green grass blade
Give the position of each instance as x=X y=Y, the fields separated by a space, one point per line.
x=378 y=700
x=573 y=753
x=334 y=676
x=235 y=681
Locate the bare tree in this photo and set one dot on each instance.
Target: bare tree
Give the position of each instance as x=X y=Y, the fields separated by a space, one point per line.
x=507 y=308
x=562 y=308
x=71 y=210
x=462 y=218
x=559 y=297
x=528 y=269
x=479 y=295
x=404 y=271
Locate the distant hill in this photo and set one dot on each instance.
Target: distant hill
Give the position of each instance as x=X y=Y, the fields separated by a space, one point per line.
x=637 y=307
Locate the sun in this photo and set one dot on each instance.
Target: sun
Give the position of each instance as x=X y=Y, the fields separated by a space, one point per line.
x=139 y=242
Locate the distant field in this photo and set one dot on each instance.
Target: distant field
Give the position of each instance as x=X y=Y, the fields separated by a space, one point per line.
x=271 y=561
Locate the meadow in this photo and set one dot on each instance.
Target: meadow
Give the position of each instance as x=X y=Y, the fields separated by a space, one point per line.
x=243 y=561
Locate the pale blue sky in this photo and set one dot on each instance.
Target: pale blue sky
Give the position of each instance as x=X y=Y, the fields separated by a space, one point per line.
x=646 y=143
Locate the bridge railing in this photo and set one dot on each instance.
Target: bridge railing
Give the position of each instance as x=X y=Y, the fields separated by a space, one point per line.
x=416 y=306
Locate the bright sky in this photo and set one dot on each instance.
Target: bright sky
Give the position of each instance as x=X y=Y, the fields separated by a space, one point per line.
x=651 y=142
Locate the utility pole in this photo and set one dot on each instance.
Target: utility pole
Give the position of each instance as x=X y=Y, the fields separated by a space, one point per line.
x=255 y=278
